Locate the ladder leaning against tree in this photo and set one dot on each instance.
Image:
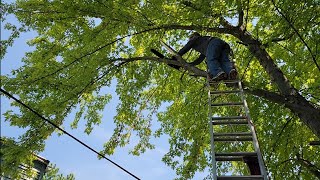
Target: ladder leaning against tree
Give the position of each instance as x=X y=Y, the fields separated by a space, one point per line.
x=235 y=133
x=241 y=129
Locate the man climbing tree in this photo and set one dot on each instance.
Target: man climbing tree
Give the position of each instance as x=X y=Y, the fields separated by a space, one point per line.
x=217 y=53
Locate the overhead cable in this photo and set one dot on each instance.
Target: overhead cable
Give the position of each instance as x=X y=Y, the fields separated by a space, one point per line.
x=70 y=135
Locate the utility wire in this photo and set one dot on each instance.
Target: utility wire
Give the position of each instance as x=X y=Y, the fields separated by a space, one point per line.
x=70 y=135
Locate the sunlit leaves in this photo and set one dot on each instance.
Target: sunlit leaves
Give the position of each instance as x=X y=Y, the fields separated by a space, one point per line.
x=53 y=173
x=84 y=45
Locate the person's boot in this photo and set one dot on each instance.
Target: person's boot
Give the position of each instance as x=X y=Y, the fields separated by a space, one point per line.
x=233 y=74
x=218 y=77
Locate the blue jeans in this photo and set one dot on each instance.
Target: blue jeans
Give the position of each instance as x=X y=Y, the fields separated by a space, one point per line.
x=217 y=57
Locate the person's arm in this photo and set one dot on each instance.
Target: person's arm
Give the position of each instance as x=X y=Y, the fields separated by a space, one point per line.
x=198 y=60
x=188 y=46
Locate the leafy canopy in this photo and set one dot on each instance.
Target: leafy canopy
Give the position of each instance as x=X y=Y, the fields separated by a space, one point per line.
x=84 y=45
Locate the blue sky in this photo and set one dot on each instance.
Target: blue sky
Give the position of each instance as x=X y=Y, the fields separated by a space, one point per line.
x=70 y=156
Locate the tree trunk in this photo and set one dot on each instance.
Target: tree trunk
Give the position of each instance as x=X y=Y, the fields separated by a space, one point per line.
x=308 y=113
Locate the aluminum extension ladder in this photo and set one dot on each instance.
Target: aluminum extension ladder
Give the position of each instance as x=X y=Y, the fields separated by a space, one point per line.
x=236 y=131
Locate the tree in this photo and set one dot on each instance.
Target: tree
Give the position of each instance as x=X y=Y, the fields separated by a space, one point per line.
x=17 y=166
x=83 y=45
x=53 y=173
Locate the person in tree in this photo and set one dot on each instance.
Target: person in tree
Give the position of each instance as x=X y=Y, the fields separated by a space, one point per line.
x=216 y=51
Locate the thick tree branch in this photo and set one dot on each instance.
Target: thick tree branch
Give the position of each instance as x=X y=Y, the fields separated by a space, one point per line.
x=271 y=96
x=193 y=71
x=289 y=101
x=196 y=27
x=298 y=105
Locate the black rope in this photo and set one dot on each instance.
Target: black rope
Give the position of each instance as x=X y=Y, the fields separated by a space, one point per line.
x=70 y=135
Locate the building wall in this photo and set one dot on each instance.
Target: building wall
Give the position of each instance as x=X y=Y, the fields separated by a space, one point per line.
x=40 y=166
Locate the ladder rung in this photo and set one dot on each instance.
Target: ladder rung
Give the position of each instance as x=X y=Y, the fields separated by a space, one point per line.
x=234 y=156
x=229 y=158
x=254 y=154
x=236 y=138
x=224 y=122
x=252 y=177
x=225 y=92
x=228 y=104
x=229 y=117
x=232 y=134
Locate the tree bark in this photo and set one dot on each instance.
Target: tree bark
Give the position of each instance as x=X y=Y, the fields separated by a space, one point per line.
x=307 y=112
x=298 y=105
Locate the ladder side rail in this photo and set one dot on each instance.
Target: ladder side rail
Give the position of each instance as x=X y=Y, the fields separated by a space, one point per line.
x=254 y=136
x=213 y=156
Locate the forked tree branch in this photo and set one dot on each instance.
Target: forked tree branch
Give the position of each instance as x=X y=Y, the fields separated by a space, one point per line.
x=308 y=165
x=297 y=32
